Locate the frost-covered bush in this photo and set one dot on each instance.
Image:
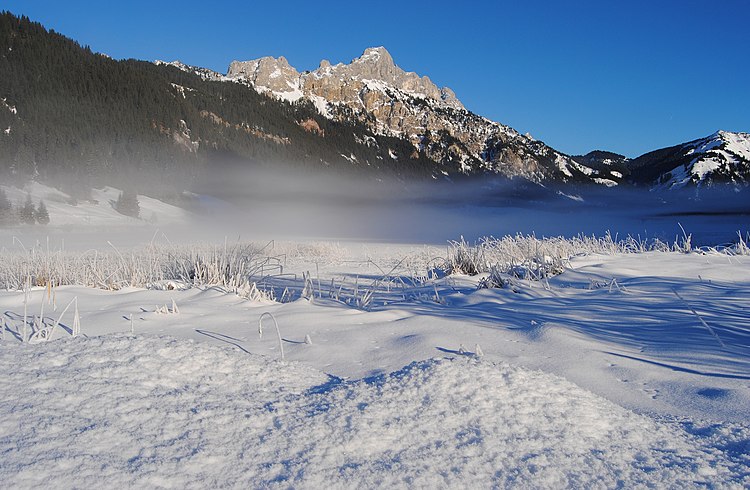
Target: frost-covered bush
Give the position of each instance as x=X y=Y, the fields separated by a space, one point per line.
x=494 y=279
x=741 y=247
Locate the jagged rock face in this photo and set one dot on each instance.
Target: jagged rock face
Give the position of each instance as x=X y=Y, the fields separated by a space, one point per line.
x=376 y=64
x=391 y=101
x=272 y=74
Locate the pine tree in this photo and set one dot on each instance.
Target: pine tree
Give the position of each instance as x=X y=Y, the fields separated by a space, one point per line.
x=42 y=215
x=27 y=212
x=128 y=205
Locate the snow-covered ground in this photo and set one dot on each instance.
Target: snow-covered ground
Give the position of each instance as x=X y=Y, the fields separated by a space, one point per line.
x=626 y=370
x=96 y=212
x=145 y=411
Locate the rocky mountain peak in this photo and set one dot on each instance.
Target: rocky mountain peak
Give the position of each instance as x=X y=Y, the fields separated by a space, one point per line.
x=377 y=64
x=267 y=74
x=340 y=82
x=378 y=59
x=376 y=52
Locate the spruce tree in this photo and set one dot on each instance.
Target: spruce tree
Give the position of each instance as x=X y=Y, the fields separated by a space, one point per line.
x=128 y=205
x=42 y=215
x=27 y=211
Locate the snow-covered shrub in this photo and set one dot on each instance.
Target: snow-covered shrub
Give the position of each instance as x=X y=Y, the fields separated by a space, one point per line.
x=741 y=247
x=322 y=253
x=521 y=256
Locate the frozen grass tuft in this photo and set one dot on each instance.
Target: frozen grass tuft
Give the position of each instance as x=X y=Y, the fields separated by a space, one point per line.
x=278 y=332
x=528 y=257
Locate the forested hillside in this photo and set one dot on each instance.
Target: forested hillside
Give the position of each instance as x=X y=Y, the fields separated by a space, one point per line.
x=79 y=118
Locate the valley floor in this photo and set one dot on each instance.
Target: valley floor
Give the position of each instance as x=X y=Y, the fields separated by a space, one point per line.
x=624 y=370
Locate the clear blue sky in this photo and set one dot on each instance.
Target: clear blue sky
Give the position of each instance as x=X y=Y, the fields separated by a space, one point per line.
x=626 y=76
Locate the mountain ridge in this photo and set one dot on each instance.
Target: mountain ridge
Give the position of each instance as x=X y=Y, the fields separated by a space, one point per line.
x=391 y=101
x=82 y=120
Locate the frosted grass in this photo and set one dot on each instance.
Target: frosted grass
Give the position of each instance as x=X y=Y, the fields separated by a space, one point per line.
x=247 y=268
x=154 y=266
x=530 y=257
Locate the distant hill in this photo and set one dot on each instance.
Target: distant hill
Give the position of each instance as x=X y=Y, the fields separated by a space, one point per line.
x=607 y=163
x=723 y=157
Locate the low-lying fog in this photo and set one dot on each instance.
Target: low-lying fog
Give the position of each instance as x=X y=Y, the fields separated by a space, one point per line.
x=289 y=205
x=286 y=204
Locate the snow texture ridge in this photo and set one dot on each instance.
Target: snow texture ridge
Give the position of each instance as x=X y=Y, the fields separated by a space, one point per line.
x=141 y=411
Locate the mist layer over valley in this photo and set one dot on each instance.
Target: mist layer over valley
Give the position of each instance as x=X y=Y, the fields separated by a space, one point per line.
x=283 y=204
x=266 y=204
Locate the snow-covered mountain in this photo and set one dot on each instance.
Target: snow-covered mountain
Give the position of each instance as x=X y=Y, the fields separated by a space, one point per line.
x=723 y=157
x=373 y=90
x=601 y=159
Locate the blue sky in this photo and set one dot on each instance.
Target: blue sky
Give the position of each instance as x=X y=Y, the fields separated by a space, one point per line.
x=627 y=76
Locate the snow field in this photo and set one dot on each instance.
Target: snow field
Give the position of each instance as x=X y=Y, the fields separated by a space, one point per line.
x=133 y=411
